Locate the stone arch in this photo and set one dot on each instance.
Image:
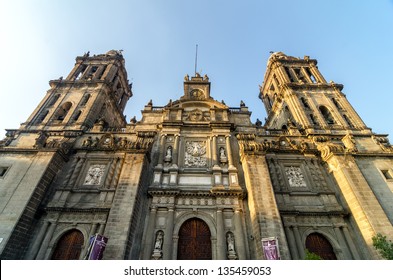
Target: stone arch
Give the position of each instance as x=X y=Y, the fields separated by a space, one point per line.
x=62 y=111
x=335 y=245
x=69 y=246
x=191 y=215
x=85 y=99
x=327 y=114
x=63 y=230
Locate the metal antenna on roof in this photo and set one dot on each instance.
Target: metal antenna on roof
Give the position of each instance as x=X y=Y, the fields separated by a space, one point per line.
x=196 y=58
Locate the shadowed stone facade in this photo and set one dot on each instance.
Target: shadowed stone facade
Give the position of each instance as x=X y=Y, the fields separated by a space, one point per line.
x=194 y=179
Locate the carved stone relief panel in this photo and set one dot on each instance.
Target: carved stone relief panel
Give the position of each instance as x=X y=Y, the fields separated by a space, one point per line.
x=196 y=115
x=94 y=174
x=295 y=176
x=195 y=154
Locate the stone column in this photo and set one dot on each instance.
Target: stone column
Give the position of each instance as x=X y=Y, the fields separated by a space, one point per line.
x=341 y=241
x=92 y=232
x=38 y=241
x=214 y=150
x=148 y=250
x=350 y=243
x=291 y=243
x=175 y=245
x=161 y=150
x=239 y=235
x=70 y=171
x=168 y=237
x=109 y=175
x=221 y=244
x=175 y=151
x=101 y=229
x=365 y=208
x=116 y=175
x=229 y=151
x=45 y=242
x=299 y=243
x=76 y=172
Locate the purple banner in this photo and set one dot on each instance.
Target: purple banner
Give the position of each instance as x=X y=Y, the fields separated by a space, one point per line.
x=97 y=247
x=270 y=248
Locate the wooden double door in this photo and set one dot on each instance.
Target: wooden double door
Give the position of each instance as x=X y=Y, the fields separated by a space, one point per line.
x=69 y=246
x=318 y=244
x=194 y=241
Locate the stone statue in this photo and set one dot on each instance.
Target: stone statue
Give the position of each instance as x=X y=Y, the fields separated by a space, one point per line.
x=87 y=142
x=242 y=104
x=159 y=240
x=230 y=242
x=168 y=155
x=231 y=246
x=258 y=123
x=186 y=78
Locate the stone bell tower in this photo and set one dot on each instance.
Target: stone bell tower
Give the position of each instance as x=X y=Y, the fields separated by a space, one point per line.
x=96 y=90
x=296 y=95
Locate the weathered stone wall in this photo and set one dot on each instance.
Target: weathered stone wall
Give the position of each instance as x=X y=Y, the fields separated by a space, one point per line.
x=24 y=189
x=265 y=216
x=120 y=220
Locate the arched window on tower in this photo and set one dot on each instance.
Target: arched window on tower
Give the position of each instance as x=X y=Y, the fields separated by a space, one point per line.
x=348 y=120
x=63 y=111
x=54 y=100
x=305 y=103
x=269 y=101
x=336 y=103
x=76 y=116
x=41 y=117
x=80 y=72
x=85 y=99
x=313 y=120
x=327 y=115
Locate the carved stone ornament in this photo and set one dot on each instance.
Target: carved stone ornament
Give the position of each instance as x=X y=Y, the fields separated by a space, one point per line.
x=197 y=94
x=195 y=154
x=295 y=177
x=196 y=115
x=94 y=174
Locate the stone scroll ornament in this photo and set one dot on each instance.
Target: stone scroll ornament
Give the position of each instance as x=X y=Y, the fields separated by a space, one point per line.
x=195 y=154
x=94 y=175
x=295 y=176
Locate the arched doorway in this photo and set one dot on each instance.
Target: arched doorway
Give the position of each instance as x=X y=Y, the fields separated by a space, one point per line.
x=69 y=246
x=318 y=244
x=194 y=241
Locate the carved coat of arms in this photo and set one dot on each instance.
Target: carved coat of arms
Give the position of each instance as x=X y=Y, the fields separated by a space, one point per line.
x=195 y=154
x=295 y=176
x=94 y=175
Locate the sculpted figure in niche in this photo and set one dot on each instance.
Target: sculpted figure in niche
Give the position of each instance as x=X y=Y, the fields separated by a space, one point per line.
x=223 y=158
x=230 y=243
x=159 y=240
x=87 y=142
x=222 y=152
x=168 y=155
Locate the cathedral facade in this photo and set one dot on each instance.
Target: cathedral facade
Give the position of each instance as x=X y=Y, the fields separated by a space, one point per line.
x=194 y=179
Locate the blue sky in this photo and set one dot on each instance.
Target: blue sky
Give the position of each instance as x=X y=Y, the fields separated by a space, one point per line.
x=352 y=41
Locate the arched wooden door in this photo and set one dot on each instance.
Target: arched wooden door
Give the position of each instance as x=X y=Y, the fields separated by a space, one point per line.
x=194 y=241
x=318 y=244
x=69 y=246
